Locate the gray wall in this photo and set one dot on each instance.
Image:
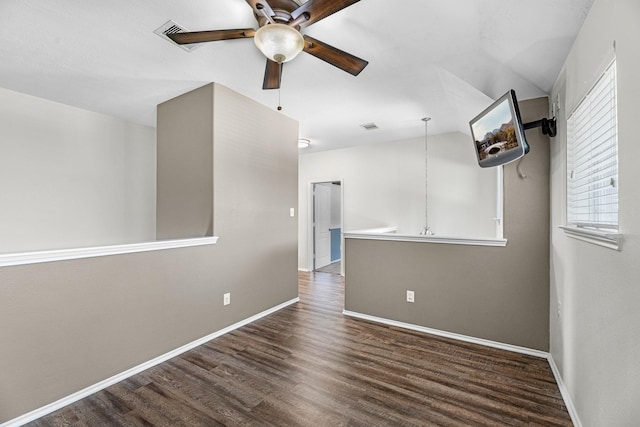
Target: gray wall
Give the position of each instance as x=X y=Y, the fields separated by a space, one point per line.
x=185 y=166
x=70 y=324
x=72 y=178
x=494 y=293
x=384 y=185
x=595 y=291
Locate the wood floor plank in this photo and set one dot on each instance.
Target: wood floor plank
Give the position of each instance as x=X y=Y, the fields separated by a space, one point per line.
x=309 y=365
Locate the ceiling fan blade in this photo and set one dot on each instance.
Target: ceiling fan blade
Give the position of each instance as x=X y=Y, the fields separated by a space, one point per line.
x=320 y=9
x=272 y=75
x=334 y=56
x=211 y=36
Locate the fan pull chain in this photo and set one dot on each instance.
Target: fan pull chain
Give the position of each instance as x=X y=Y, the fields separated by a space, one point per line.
x=279 y=103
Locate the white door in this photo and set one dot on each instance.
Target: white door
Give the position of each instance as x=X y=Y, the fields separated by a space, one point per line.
x=322 y=221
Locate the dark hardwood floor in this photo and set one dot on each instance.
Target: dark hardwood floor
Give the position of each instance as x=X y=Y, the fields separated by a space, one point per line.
x=308 y=365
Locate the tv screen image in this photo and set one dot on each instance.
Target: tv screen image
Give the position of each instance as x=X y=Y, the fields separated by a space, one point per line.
x=498 y=134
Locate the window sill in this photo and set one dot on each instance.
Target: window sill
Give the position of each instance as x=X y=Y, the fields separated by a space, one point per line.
x=611 y=240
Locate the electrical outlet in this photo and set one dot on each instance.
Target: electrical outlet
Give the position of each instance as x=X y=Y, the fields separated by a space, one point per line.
x=227 y=298
x=411 y=296
x=292 y=212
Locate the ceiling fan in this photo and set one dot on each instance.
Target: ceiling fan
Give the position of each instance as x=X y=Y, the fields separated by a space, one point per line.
x=279 y=37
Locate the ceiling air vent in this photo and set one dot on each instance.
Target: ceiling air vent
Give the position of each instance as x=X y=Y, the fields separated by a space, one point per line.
x=171 y=27
x=369 y=126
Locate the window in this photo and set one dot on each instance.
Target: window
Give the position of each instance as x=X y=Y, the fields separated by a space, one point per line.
x=592 y=160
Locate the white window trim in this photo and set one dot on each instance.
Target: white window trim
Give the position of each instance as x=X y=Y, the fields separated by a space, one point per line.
x=499 y=203
x=611 y=240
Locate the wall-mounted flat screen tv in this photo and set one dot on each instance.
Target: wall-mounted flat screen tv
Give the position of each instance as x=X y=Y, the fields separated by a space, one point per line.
x=497 y=132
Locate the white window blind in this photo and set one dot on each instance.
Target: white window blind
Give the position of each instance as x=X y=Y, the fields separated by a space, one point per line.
x=592 y=157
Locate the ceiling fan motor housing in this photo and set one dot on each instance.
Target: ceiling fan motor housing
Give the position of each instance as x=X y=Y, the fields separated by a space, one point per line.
x=282 y=11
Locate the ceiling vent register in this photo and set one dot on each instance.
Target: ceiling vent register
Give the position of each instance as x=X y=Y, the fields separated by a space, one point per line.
x=171 y=27
x=369 y=126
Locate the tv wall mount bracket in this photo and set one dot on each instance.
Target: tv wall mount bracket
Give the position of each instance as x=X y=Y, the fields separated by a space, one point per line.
x=548 y=126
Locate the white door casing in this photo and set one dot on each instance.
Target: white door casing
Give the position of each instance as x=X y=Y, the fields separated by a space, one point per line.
x=322 y=222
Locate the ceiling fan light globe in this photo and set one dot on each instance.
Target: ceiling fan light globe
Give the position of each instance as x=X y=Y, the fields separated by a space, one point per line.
x=278 y=42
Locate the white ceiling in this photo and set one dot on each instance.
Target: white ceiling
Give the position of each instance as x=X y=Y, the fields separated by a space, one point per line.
x=442 y=59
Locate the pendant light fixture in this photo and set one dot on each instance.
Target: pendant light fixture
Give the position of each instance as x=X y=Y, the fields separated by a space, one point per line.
x=426 y=230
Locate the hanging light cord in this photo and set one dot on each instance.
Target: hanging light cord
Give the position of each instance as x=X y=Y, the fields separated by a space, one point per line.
x=426 y=230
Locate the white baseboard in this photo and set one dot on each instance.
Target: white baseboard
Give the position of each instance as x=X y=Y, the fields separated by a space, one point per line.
x=517 y=349
x=459 y=337
x=565 y=393
x=47 y=409
x=54 y=406
x=304 y=270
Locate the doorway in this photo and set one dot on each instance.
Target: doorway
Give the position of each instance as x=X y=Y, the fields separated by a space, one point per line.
x=326 y=227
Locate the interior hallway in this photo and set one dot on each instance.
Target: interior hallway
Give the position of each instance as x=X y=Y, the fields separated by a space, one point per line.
x=333 y=268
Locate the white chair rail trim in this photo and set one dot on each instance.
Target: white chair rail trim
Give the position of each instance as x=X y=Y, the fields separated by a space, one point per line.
x=426 y=239
x=22 y=258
